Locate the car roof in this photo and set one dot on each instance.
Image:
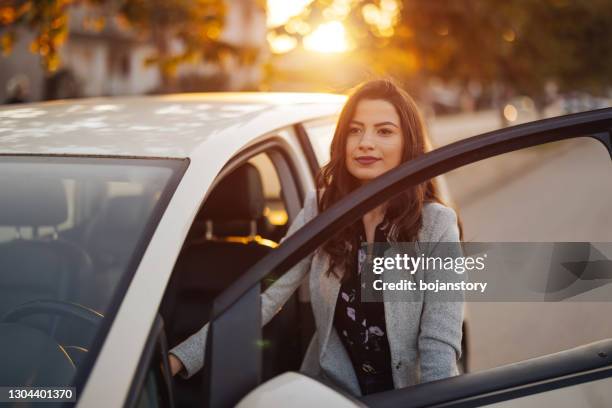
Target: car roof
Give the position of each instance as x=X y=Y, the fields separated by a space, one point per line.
x=153 y=126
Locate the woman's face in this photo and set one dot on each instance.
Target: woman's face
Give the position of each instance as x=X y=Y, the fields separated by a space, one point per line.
x=375 y=142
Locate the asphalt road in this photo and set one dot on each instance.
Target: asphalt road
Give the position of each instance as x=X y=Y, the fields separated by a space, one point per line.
x=555 y=193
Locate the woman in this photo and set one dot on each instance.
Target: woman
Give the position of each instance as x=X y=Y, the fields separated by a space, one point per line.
x=366 y=347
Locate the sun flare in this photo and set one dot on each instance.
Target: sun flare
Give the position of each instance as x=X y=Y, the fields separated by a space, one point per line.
x=327 y=38
x=280 y=11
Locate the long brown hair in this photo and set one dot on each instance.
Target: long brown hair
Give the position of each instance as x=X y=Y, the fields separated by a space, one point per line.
x=404 y=212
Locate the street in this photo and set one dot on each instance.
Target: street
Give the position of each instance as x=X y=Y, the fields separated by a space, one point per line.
x=555 y=193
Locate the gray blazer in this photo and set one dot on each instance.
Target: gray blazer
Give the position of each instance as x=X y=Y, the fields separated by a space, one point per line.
x=424 y=337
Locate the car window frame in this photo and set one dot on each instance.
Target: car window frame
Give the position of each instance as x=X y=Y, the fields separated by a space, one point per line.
x=307 y=149
x=155 y=346
x=593 y=124
x=293 y=191
x=332 y=120
x=590 y=362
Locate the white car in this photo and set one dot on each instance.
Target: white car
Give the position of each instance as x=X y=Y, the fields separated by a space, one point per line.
x=126 y=224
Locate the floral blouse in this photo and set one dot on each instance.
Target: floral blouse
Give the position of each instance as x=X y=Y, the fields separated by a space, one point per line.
x=362 y=329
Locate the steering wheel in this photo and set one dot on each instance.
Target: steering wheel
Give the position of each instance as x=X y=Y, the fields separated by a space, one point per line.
x=31 y=355
x=53 y=307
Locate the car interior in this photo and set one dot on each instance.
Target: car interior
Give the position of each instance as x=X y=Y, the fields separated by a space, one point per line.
x=231 y=232
x=36 y=267
x=65 y=242
x=117 y=218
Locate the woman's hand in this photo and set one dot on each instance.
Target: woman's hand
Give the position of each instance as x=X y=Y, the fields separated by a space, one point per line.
x=175 y=364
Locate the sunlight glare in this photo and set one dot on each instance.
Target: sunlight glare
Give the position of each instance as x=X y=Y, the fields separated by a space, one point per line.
x=510 y=113
x=280 y=11
x=329 y=38
x=383 y=18
x=280 y=44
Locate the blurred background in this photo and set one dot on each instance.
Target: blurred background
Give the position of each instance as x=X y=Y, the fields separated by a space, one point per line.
x=472 y=65
x=523 y=59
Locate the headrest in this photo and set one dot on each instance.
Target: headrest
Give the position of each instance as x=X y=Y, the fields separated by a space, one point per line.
x=119 y=216
x=114 y=230
x=239 y=196
x=124 y=211
x=32 y=202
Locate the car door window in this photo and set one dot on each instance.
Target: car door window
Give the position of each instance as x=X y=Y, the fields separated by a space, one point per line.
x=274 y=220
x=558 y=193
x=540 y=176
x=320 y=133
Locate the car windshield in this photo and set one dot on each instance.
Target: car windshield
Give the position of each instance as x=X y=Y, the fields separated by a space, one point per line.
x=72 y=232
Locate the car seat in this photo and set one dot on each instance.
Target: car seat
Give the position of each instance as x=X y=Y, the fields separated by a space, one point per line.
x=227 y=247
x=111 y=239
x=38 y=267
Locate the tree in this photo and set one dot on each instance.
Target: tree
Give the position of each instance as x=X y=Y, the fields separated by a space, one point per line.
x=196 y=24
x=520 y=45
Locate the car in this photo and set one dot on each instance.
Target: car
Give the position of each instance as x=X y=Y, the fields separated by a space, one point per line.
x=95 y=190
x=127 y=223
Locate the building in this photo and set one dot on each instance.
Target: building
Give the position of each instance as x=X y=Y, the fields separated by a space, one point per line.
x=111 y=60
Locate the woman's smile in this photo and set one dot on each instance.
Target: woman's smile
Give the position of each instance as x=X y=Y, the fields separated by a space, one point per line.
x=366 y=160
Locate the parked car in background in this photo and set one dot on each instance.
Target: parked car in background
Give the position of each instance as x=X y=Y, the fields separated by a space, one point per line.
x=522 y=109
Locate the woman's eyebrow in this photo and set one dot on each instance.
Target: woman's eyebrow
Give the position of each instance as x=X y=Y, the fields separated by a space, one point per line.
x=386 y=123
x=356 y=122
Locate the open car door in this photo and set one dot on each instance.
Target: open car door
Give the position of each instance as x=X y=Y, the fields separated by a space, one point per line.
x=233 y=353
